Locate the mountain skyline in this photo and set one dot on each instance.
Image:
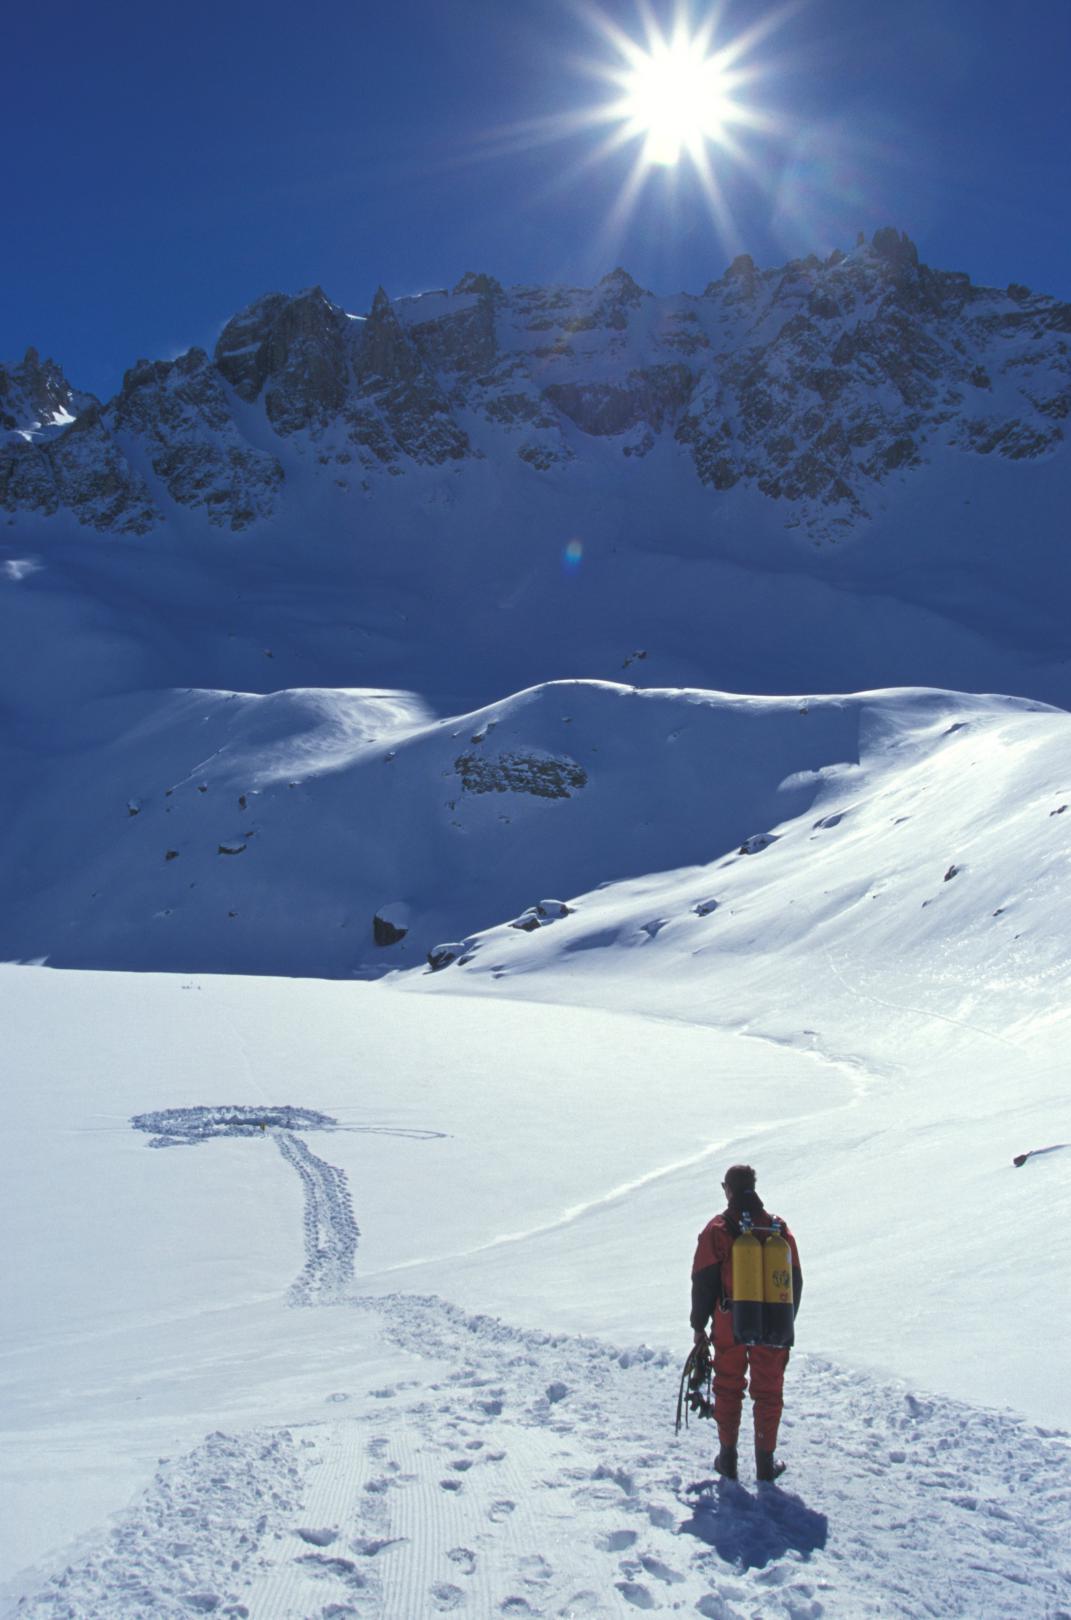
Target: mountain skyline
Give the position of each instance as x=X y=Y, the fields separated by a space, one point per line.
x=353 y=149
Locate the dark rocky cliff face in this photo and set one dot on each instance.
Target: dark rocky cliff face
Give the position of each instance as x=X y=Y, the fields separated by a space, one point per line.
x=813 y=384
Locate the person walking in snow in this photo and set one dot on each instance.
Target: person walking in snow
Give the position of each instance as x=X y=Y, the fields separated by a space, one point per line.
x=712 y=1288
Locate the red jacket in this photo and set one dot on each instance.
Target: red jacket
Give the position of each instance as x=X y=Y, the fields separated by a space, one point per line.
x=712 y=1268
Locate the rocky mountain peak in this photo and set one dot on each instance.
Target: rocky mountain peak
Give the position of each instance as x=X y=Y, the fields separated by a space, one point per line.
x=293 y=350
x=895 y=246
x=36 y=400
x=812 y=384
x=482 y=285
x=619 y=284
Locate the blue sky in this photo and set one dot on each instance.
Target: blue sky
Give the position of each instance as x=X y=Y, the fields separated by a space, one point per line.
x=168 y=164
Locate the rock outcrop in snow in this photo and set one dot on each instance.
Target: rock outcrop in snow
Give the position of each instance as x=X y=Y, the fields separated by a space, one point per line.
x=812 y=383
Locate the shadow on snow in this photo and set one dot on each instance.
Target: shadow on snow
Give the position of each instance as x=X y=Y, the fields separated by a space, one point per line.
x=750 y=1531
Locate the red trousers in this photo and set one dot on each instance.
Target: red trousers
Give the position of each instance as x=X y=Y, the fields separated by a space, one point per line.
x=732 y=1362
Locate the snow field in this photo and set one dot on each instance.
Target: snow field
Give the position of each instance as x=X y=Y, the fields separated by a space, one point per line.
x=396 y=1455
x=524 y=1474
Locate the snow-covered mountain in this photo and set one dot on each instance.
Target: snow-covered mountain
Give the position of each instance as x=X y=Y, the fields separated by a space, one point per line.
x=426 y=632
x=813 y=383
x=470 y=493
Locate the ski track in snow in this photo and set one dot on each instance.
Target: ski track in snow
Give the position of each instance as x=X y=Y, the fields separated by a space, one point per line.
x=536 y=1475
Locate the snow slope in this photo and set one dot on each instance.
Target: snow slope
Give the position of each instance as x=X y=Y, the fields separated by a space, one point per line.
x=549 y=1165
x=222 y=831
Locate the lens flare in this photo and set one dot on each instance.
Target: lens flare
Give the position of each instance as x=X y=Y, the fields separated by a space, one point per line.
x=572 y=555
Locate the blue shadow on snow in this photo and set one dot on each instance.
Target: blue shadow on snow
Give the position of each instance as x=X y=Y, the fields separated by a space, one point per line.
x=750 y=1531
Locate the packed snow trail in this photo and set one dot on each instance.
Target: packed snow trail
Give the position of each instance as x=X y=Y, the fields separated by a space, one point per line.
x=331 y=1230
x=510 y=1473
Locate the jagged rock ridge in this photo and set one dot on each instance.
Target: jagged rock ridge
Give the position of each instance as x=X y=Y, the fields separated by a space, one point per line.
x=813 y=383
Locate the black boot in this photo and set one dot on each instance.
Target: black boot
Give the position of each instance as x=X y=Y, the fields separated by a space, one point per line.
x=725 y=1462
x=767 y=1466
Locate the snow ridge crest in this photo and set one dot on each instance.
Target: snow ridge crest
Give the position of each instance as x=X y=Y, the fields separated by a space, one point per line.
x=812 y=383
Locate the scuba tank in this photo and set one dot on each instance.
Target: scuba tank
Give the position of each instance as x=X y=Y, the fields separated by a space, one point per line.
x=777 y=1313
x=748 y=1285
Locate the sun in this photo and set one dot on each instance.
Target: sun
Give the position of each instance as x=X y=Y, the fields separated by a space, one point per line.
x=676 y=97
x=680 y=94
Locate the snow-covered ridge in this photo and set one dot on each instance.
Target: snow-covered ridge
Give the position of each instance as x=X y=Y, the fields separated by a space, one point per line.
x=346 y=834
x=812 y=384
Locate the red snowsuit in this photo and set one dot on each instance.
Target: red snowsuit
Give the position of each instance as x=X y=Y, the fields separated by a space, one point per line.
x=712 y=1293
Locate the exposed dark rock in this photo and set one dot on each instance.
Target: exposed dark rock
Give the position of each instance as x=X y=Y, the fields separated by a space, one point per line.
x=386 y=933
x=483 y=286
x=36 y=399
x=895 y=246
x=414 y=417
x=180 y=412
x=544 y=776
x=295 y=350
x=757 y=842
x=83 y=470
x=603 y=408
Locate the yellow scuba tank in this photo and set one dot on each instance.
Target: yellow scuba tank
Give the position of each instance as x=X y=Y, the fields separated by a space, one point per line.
x=777 y=1314
x=747 y=1285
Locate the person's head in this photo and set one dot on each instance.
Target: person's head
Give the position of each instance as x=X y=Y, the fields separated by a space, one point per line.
x=739 y=1179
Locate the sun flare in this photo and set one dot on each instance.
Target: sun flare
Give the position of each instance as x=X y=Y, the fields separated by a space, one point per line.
x=676 y=98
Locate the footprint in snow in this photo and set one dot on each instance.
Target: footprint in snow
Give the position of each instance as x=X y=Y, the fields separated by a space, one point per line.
x=713 y=1607
x=370 y=1546
x=446 y=1596
x=464 y=1558
x=636 y=1593
x=462 y=1464
x=317 y=1538
x=449 y=1484
x=534 y=1570
x=341 y=1568
x=585 y=1605
x=617 y=1541
x=499 y=1510
x=660 y=1571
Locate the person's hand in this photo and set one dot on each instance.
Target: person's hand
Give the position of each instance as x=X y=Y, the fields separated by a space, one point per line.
x=701 y=1337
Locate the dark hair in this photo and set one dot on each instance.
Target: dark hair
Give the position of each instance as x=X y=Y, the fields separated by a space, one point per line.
x=739 y=1178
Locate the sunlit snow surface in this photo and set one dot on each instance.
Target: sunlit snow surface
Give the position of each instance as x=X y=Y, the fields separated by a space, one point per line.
x=857 y=984
x=516 y=1444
